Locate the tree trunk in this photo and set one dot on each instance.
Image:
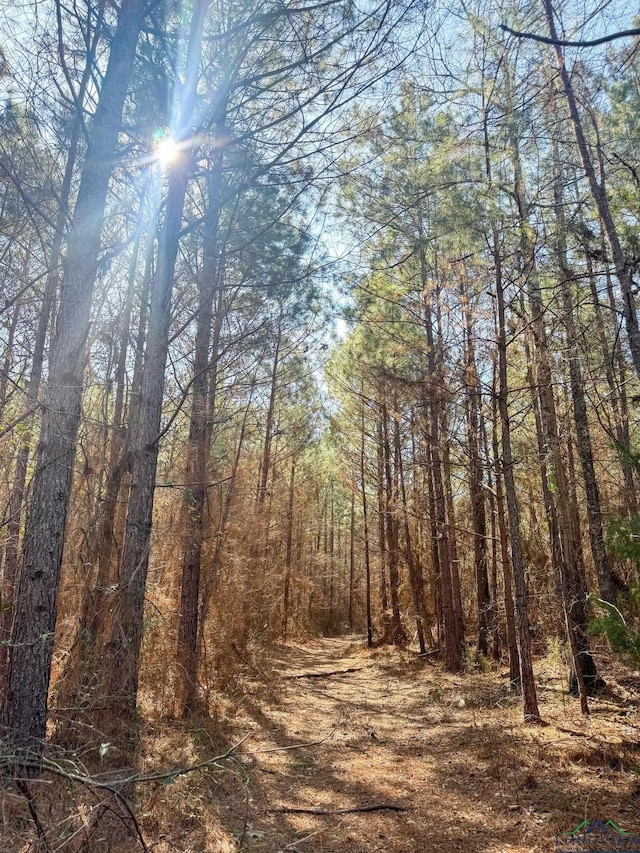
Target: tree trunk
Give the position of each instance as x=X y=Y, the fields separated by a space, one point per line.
x=198 y=447
x=476 y=491
x=5 y=371
x=415 y=570
x=211 y=576
x=125 y=640
x=494 y=631
x=384 y=593
x=435 y=553
x=352 y=557
x=24 y=710
x=268 y=431
x=81 y=666
x=599 y=194
x=510 y=618
x=617 y=394
x=583 y=433
x=288 y=552
x=452 y=635
x=367 y=566
x=398 y=636
x=52 y=282
x=123 y=651
x=571 y=573
x=527 y=681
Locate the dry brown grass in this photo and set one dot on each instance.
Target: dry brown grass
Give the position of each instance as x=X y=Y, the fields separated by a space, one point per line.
x=452 y=750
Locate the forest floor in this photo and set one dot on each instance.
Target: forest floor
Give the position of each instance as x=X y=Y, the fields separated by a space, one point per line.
x=362 y=751
x=356 y=750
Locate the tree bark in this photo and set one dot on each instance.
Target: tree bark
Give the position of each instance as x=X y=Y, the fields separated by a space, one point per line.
x=384 y=590
x=599 y=194
x=583 y=433
x=211 y=576
x=452 y=635
x=125 y=641
x=198 y=447
x=476 y=491
x=527 y=680
x=398 y=636
x=24 y=710
x=367 y=566
x=415 y=570
x=352 y=558
x=288 y=552
x=572 y=580
x=510 y=618
x=268 y=433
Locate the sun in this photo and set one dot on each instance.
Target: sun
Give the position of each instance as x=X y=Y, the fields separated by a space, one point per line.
x=166 y=151
x=165 y=148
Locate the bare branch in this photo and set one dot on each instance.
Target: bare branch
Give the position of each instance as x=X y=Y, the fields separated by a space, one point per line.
x=568 y=42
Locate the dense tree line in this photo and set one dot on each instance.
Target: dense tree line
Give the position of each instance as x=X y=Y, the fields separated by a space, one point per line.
x=492 y=351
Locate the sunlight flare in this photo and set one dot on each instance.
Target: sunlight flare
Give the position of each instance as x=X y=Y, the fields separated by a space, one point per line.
x=165 y=147
x=167 y=151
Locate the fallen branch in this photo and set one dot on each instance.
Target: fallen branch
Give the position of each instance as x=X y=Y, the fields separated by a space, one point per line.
x=10 y=761
x=326 y=674
x=21 y=785
x=300 y=745
x=114 y=785
x=378 y=807
x=572 y=732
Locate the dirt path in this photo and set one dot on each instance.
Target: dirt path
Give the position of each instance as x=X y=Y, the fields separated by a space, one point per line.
x=448 y=754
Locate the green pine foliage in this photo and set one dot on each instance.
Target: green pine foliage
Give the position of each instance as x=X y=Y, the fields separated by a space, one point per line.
x=623 y=542
x=623 y=635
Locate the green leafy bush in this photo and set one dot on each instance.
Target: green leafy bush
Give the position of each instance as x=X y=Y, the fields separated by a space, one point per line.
x=623 y=636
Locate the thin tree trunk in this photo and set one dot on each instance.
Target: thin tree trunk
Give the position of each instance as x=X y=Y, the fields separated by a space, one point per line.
x=268 y=434
x=200 y=433
x=571 y=574
x=398 y=636
x=599 y=194
x=367 y=566
x=5 y=372
x=384 y=593
x=527 y=680
x=510 y=618
x=530 y=701
x=288 y=552
x=456 y=590
x=415 y=571
x=493 y=515
x=476 y=492
x=352 y=557
x=452 y=637
x=583 y=433
x=211 y=576
x=617 y=396
x=435 y=553
x=332 y=564
x=125 y=641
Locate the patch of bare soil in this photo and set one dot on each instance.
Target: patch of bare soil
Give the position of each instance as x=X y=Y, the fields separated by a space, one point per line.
x=362 y=751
